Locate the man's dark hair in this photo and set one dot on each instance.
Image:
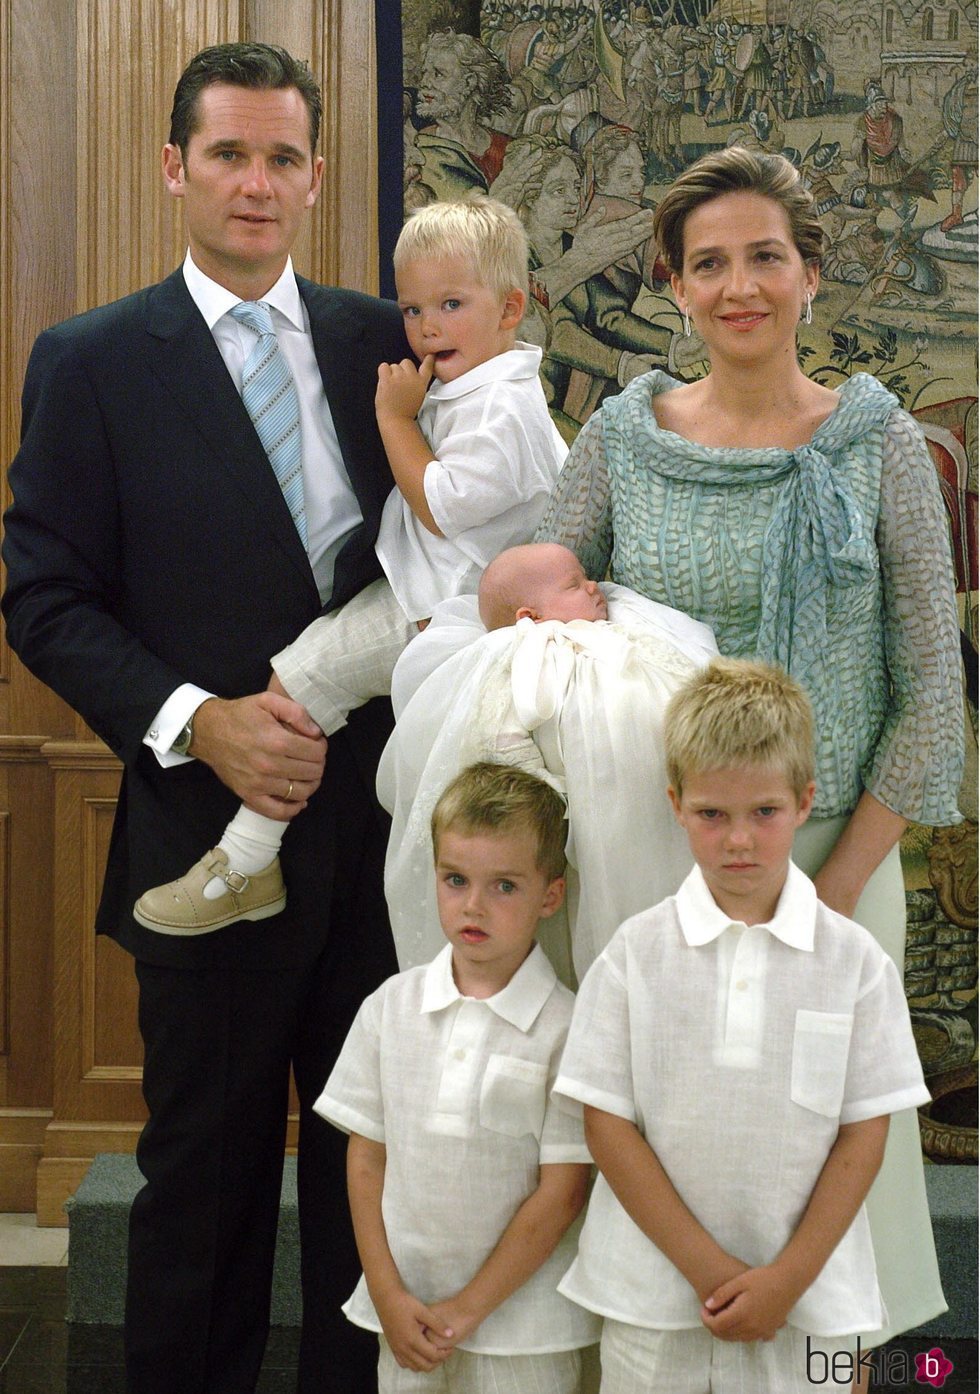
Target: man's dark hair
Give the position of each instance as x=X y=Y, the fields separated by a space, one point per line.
x=266 y=67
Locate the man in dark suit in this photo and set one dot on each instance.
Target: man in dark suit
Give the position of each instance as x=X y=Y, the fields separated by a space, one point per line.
x=153 y=569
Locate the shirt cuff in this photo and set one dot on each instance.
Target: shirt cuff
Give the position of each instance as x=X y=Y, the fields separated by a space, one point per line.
x=171 y=719
x=348 y=1119
x=602 y=1099
x=914 y=1096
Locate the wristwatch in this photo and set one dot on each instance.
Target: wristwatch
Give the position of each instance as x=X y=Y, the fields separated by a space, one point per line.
x=181 y=744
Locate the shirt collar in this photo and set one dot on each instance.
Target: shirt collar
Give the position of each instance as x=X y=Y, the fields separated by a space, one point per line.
x=213 y=300
x=522 y=361
x=702 y=920
x=518 y=1003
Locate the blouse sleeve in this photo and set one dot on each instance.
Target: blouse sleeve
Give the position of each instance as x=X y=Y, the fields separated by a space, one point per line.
x=579 y=512
x=918 y=764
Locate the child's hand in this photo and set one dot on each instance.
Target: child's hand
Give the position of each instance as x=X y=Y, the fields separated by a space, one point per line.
x=450 y=1316
x=411 y=1329
x=750 y=1307
x=402 y=388
x=722 y=1268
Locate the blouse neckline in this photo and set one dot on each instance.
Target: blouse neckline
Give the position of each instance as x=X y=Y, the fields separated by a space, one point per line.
x=852 y=396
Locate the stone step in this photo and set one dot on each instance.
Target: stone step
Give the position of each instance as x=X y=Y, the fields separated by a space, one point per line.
x=98 y=1223
x=98 y=1217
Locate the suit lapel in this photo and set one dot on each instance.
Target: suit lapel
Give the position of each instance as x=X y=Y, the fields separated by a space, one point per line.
x=348 y=380
x=189 y=368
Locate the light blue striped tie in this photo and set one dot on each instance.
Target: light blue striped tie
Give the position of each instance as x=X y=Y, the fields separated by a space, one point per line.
x=270 y=398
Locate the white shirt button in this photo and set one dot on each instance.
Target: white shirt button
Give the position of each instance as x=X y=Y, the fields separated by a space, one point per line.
x=741 y=985
x=459 y=1054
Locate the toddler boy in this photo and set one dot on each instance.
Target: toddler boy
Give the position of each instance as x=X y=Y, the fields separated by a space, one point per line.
x=474 y=454
x=738 y=1049
x=464 y=1176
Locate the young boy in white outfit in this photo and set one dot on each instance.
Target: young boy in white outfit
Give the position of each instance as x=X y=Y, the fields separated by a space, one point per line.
x=474 y=454
x=464 y=1175
x=738 y=1049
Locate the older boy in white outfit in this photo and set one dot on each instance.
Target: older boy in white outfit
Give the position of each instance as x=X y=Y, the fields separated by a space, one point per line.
x=464 y=1176
x=474 y=454
x=738 y=1049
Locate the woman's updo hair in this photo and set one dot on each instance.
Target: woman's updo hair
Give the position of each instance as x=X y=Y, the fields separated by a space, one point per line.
x=730 y=171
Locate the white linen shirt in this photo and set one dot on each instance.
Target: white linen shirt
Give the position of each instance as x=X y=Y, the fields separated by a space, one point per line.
x=497 y=454
x=738 y=1051
x=458 y=1090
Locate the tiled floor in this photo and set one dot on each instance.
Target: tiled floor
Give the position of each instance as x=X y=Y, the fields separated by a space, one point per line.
x=41 y=1354
x=23 y=1244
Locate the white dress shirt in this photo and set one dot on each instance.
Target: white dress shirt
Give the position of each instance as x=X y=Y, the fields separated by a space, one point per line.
x=332 y=510
x=738 y=1052
x=458 y=1090
x=497 y=454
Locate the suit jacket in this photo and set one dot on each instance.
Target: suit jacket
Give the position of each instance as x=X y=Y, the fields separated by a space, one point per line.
x=149 y=544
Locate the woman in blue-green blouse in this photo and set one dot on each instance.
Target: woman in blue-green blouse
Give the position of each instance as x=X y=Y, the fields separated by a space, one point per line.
x=806 y=527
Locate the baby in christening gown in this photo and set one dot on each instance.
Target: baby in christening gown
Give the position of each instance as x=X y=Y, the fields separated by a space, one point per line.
x=569 y=679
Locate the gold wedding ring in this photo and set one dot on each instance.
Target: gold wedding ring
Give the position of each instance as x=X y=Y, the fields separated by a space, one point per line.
x=289 y=792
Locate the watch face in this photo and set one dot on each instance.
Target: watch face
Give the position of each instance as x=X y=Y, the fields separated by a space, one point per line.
x=182 y=742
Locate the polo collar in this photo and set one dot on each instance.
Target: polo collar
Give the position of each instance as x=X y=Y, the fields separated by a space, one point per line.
x=518 y=1003
x=702 y=920
x=214 y=301
x=522 y=361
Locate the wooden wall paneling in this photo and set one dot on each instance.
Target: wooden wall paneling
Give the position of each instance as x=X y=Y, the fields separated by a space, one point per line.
x=22 y=1132
x=25 y=967
x=37 y=242
x=348 y=76
x=129 y=228
x=8 y=389
x=97 y=1103
x=26 y=910
x=4 y=937
x=96 y=1065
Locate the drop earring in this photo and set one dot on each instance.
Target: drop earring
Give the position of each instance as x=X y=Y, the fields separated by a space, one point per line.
x=808 y=309
x=687 y=325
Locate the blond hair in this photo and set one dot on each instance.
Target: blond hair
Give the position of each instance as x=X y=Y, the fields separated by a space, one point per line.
x=493 y=798
x=482 y=230
x=736 y=713
x=731 y=171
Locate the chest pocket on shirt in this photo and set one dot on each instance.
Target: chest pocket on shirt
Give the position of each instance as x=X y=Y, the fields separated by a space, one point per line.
x=820 y=1046
x=512 y=1097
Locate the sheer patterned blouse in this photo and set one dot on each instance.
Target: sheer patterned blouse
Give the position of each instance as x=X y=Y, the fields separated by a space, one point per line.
x=831 y=559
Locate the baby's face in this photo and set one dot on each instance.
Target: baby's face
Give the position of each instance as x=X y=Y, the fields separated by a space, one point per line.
x=568 y=594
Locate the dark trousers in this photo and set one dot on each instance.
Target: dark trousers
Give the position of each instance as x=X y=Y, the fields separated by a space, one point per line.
x=218 y=1048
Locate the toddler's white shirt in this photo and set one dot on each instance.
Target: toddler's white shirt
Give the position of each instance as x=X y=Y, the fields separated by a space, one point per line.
x=458 y=1090
x=497 y=454
x=738 y=1052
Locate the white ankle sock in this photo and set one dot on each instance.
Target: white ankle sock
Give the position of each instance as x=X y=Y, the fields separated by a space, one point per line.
x=251 y=842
